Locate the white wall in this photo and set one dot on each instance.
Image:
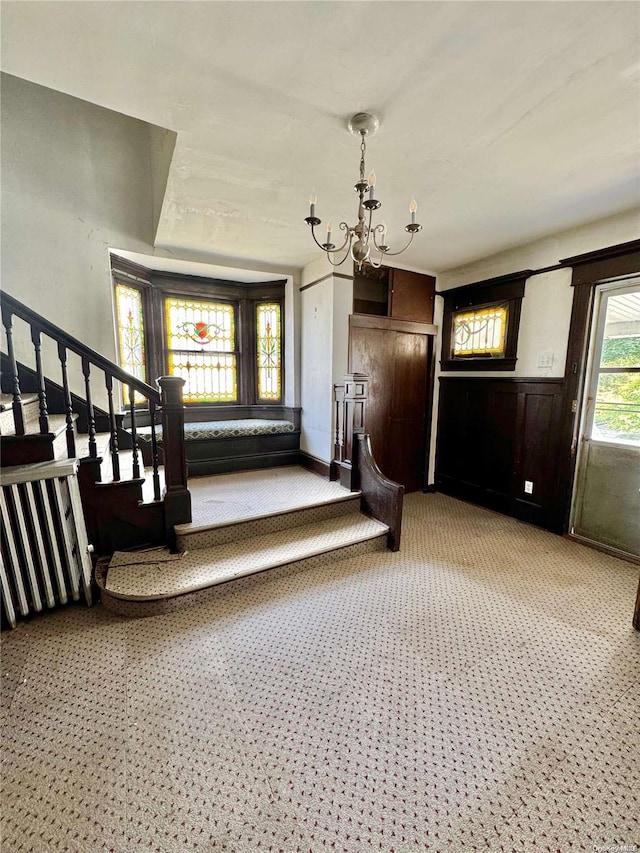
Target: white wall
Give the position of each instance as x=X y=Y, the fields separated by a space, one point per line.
x=546 y=307
x=325 y=306
x=76 y=180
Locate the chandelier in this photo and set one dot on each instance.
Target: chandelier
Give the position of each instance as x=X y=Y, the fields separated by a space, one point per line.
x=365 y=238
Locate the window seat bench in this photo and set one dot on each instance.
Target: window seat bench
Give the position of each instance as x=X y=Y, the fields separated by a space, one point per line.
x=215 y=447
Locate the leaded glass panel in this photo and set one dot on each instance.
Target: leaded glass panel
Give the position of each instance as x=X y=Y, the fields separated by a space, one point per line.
x=209 y=377
x=269 y=351
x=480 y=331
x=202 y=349
x=200 y=326
x=130 y=325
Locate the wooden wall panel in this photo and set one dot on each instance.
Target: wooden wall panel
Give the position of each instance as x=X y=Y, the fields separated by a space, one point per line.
x=495 y=434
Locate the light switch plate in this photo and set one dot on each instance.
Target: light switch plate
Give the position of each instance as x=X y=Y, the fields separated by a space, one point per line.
x=528 y=487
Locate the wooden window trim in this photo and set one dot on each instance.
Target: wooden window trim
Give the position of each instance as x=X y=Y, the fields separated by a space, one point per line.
x=156 y=287
x=504 y=290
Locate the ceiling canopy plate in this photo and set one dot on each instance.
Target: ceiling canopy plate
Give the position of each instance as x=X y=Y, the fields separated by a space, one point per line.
x=363 y=123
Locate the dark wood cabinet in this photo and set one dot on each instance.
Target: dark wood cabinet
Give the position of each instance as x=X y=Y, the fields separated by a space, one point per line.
x=411 y=296
x=391 y=340
x=386 y=292
x=397 y=355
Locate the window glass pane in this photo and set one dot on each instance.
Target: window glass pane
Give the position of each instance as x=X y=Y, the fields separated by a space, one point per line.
x=617 y=408
x=209 y=377
x=130 y=326
x=621 y=344
x=268 y=336
x=480 y=331
x=200 y=326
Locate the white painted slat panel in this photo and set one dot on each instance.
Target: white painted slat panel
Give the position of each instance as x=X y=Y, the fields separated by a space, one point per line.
x=61 y=493
x=31 y=569
x=39 y=543
x=23 y=605
x=55 y=553
x=7 y=598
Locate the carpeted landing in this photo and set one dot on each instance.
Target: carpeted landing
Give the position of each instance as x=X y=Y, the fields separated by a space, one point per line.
x=479 y=690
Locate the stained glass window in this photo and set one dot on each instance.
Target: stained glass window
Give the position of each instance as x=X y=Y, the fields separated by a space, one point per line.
x=480 y=331
x=269 y=351
x=201 y=343
x=130 y=334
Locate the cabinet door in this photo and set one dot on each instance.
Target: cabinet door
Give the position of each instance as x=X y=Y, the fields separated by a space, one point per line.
x=411 y=296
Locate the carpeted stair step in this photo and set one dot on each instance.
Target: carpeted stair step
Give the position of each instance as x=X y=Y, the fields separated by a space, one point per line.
x=147 y=583
x=190 y=537
x=30 y=413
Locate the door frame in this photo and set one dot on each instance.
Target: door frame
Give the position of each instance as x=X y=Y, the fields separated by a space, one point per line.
x=594 y=343
x=588 y=271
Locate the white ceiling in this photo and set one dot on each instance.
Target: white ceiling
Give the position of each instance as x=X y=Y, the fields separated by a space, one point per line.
x=507 y=121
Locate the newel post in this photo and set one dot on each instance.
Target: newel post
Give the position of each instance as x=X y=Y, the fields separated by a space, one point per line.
x=350 y=406
x=177 y=498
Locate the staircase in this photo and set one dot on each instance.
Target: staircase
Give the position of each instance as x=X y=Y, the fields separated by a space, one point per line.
x=149 y=555
x=298 y=538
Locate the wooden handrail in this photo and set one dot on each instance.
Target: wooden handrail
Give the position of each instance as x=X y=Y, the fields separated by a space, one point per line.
x=35 y=320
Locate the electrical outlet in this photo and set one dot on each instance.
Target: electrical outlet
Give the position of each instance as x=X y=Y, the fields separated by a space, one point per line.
x=545 y=358
x=528 y=487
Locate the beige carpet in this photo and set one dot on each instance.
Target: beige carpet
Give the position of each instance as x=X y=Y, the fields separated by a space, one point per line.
x=479 y=690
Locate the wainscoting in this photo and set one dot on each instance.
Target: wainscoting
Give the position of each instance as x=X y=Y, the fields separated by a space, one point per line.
x=498 y=446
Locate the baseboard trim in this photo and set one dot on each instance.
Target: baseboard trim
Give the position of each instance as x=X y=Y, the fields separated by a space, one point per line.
x=606 y=549
x=312 y=463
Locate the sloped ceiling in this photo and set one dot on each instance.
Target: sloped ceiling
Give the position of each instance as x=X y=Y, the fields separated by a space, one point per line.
x=507 y=121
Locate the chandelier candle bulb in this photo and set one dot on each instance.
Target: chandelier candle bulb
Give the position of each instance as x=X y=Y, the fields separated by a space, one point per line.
x=313 y=198
x=329 y=230
x=372 y=184
x=413 y=207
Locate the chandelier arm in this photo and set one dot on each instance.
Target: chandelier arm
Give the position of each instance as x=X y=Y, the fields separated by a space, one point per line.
x=379 y=228
x=390 y=254
x=340 y=262
x=319 y=245
x=348 y=237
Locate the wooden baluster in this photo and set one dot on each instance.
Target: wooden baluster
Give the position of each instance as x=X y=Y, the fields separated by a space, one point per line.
x=113 y=426
x=339 y=444
x=68 y=405
x=177 y=499
x=91 y=415
x=18 y=417
x=134 y=434
x=43 y=420
x=154 y=452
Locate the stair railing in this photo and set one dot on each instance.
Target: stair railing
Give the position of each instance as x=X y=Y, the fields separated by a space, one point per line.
x=168 y=401
x=353 y=463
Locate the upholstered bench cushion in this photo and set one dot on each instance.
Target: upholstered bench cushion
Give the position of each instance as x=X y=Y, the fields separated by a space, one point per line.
x=226 y=429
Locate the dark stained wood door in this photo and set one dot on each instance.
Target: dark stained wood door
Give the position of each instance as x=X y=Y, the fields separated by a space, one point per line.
x=398 y=363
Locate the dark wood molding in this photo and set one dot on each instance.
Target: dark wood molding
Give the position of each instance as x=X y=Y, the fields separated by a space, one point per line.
x=317 y=281
x=371 y=321
x=605 y=264
x=318 y=466
x=489 y=289
x=504 y=290
x=588 y=271
x=601 y=254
